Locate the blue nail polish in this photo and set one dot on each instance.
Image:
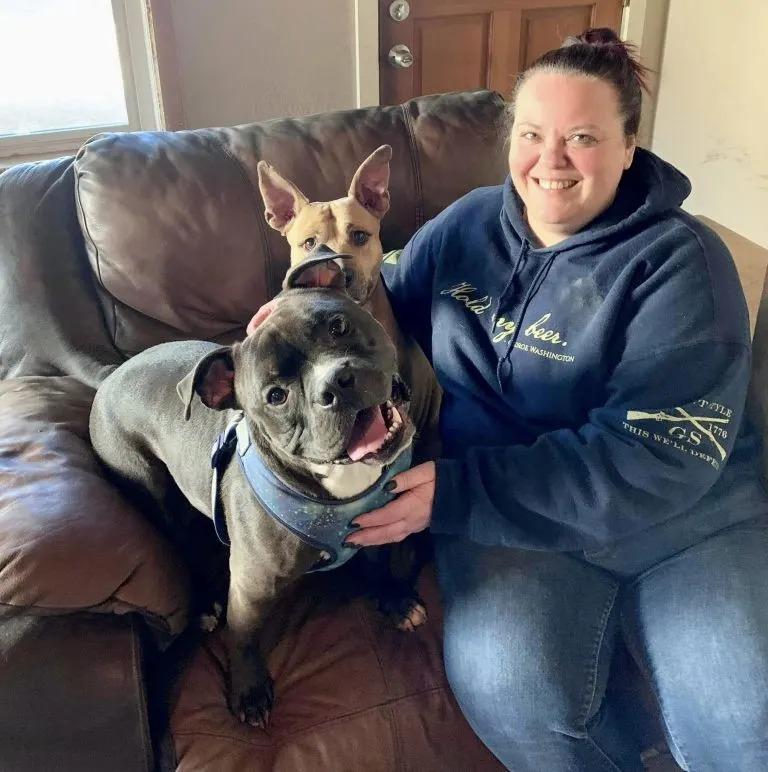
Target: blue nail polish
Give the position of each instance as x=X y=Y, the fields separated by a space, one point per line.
x=390 y=486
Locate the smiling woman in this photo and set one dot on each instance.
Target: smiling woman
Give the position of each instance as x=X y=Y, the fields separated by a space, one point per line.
x=78 y=67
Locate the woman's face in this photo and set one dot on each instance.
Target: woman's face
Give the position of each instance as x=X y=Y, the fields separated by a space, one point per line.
x=567 y=151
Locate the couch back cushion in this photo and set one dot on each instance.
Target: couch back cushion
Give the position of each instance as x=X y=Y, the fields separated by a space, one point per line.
x=174 y=222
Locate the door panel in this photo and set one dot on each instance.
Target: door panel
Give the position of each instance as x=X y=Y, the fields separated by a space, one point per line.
x=546 y=28
x=469 y=44
x=452 y=52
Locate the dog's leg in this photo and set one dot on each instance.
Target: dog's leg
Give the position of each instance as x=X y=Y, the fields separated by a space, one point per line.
x=251 y=690
x=390 y=575
x=258 y=579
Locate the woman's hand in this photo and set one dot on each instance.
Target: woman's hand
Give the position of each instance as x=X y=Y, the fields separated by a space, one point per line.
x=409 y=513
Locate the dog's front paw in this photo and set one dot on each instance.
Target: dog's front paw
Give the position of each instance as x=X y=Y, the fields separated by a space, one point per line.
x=252 y=704
x=210 y=621
x=405 y=613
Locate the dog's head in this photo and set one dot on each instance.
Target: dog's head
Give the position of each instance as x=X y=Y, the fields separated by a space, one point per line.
x=348 y=225
x=317 y=380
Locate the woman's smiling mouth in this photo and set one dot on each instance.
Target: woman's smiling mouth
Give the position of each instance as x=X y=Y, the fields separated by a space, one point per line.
x=545 y=184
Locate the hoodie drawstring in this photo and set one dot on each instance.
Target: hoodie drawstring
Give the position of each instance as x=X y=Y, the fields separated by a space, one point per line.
x=533 y=288
x=521 y=255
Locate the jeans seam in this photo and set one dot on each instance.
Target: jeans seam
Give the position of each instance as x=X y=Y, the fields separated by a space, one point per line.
x=649 y=677
x=603 y=755
x=594 y=658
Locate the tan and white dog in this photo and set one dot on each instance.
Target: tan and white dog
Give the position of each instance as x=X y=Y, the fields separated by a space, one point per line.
x=351 y=225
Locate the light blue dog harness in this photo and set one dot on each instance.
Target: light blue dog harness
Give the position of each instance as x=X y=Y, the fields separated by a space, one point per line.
x=321 y=523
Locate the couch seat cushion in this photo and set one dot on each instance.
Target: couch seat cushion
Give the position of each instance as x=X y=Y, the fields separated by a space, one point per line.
x=352 y=694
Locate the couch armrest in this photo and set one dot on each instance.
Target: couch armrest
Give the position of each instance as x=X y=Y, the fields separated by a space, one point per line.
x=68 y=541
x=73 y=694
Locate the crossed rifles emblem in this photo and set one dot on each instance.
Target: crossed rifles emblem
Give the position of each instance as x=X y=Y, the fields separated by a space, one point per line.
x=683 y=417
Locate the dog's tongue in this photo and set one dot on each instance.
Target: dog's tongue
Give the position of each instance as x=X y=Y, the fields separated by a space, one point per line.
x=368 y=433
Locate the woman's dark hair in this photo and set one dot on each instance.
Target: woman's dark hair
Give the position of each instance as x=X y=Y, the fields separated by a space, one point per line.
x=597 y=53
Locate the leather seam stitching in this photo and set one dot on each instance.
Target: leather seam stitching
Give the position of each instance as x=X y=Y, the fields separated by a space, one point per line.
x=268 y=273
x=97 y=253
x=419 y=208
x=306 y=729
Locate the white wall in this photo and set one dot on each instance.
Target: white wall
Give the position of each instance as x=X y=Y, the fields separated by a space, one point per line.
x=712 y=109
x=249 y=60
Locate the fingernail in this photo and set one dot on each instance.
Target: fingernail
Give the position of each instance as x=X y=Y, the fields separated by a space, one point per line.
x=354 y=525
x=350 y=545
x=390 y=486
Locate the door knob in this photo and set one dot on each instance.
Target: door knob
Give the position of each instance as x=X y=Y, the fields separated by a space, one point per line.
x=400 y=56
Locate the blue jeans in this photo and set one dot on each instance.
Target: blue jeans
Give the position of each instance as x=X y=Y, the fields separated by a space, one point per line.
x=530 y=638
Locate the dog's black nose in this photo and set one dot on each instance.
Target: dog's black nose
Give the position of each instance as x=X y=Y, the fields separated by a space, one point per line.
x=337 y=385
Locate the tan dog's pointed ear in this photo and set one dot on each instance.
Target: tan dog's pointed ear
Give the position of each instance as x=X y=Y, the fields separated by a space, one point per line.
x=370 y=185
x=282 y=199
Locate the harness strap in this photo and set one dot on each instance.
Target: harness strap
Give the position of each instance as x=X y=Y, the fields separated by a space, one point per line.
x=323 y=524
x=221 y=454
x=223 y=449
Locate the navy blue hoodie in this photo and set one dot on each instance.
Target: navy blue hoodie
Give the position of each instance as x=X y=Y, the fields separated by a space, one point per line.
x=593 y=390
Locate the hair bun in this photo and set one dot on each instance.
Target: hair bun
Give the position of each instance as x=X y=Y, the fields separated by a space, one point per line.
x=599 y=37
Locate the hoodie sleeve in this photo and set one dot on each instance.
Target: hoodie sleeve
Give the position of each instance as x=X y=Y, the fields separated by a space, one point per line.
x=650 y=450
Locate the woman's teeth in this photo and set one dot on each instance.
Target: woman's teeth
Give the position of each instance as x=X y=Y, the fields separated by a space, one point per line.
x=556 y=184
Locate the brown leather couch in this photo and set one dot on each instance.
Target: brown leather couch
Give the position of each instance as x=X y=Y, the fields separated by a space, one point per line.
x=144 y=238
x=140 y=239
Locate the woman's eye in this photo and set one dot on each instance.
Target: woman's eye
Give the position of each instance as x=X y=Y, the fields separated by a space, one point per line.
x=309 y=243
x=583 y=139
x=359 y=238
x=338 y=326
x=277 y=396
x=529 y=135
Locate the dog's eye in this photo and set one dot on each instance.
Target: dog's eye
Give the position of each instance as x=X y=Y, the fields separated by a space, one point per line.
x=359 y=238
x=309 y=243
x=277 y=396
x=338 y=326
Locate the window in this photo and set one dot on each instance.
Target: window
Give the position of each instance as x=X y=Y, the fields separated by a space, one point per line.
x=70 y=69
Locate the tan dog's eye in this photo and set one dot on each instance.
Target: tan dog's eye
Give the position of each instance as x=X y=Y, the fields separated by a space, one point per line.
x=277 y=396
x=338 y=326
x=309 y=243
x=359 y=238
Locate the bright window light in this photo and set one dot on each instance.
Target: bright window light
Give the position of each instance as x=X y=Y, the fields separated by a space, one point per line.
x=59 y=67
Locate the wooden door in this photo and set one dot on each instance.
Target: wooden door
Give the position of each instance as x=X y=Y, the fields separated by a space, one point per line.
x=459 y=45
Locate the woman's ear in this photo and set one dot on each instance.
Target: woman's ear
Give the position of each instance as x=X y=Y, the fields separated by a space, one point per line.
x=629 y=152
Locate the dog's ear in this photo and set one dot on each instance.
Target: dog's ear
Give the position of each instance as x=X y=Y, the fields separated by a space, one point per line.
x=327 y=273
x=213 y=378
x=370 y=185
x=282 y=199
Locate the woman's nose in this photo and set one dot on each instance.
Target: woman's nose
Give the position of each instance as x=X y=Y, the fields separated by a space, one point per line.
x=553 y=153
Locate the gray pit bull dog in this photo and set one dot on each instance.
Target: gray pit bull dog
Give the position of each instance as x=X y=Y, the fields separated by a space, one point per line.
x=323 y=414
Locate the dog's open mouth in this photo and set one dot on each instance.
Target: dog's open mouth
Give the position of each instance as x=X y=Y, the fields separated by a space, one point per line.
x=376 y=432
x=380 y=430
